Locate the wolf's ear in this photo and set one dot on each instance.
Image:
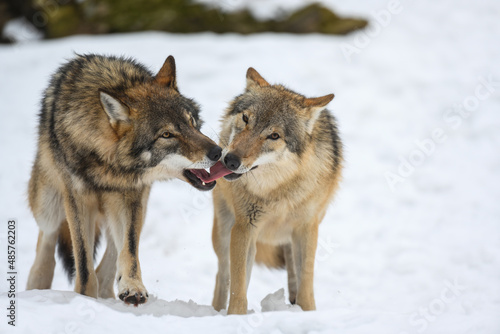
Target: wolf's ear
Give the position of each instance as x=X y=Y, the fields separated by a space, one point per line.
x=313 y=107
x=254 y=79
x=318 y=102
x=166 y=75
x=114 y=108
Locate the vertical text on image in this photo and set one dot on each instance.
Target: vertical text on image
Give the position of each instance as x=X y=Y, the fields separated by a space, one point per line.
x=11 y=271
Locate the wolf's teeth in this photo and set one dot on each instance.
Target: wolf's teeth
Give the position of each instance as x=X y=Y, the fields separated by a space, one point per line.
x=203 y=183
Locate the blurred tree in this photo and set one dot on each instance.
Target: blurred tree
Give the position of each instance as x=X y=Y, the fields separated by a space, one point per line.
x=59 y=18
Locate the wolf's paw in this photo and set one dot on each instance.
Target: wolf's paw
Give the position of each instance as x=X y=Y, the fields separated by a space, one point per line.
x=134 y=298
x=132 y=293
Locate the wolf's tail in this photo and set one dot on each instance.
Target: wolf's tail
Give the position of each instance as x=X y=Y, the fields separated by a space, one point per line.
x=65 y=248
x=270 y=255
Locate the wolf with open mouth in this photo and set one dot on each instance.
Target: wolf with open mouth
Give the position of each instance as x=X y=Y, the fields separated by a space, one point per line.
x=108 y=129
x=281 y=166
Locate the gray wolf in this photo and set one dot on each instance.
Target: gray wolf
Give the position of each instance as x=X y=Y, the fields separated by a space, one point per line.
x=281 y=166
x=108 y=129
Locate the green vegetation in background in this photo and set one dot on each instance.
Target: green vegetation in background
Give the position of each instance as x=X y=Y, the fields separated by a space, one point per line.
x=69 y=17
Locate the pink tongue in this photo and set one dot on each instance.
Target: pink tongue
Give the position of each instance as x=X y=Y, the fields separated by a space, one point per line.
x=201 y=174
x=216 y=171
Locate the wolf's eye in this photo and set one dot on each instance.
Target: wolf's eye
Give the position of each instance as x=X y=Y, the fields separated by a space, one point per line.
x=245 y=118
x=274 y=136
x=166 y=135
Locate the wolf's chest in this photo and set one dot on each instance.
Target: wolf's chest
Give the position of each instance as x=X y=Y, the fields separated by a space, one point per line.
x=276 y=228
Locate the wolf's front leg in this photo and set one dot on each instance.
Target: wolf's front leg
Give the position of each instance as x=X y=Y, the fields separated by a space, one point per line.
x=291 y=273
x=242 y=235
x=221 y=237
x=127 y=216
x=305 y=240
x=80 y=214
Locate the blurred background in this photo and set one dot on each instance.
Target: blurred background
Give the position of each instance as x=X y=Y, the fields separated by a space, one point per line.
x=411 y=243
x=53 y=19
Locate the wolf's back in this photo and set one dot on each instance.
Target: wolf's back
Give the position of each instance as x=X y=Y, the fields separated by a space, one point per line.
x=75 y=135
x=73 y=92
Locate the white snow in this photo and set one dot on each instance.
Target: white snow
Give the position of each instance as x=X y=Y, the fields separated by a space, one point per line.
x=277 y=302
x=422 y=256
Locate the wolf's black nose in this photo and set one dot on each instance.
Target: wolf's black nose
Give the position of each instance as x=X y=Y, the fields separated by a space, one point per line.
x=214 y=153
x=232 y=161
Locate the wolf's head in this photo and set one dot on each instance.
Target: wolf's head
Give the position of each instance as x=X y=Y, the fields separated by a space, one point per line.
x=267 y=125
x=158 y=130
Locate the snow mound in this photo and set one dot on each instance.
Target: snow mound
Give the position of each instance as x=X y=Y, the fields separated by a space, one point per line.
x=155 y=306
x=276 y=302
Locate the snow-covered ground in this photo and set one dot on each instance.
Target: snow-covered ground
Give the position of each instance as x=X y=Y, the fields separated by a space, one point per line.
x=411 y=243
